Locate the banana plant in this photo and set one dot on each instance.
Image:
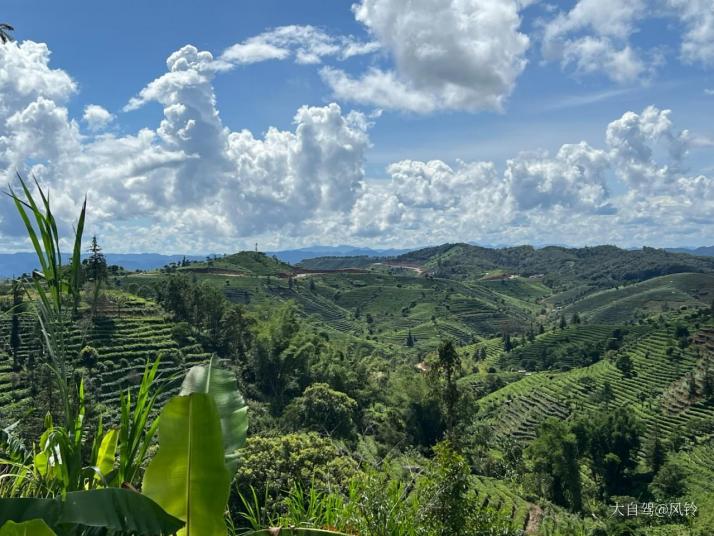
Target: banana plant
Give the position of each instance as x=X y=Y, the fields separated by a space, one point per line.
x=221 y=385
x=113 y=509
x=35 y=527
x=188 y=476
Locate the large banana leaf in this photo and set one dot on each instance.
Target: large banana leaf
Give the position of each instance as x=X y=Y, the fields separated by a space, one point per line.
x=114 y=509
x=188 y=477
x=36 y=527
x=221 y=385
x=120 y=510
x=27 y=509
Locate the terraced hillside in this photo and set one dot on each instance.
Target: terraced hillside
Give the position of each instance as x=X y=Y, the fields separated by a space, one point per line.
x=655 y=295
x=659 y=393
x=380 y=306
x=128 y=332
x=561 y=268
x=563 y=349
x=518 y=408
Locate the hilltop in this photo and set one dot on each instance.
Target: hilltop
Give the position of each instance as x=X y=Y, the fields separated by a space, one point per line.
x=559 y=266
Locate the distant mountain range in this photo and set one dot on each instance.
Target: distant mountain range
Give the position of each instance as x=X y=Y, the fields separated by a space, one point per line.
x=294 y=256
x=706 y=251
x=12 y=264
x=18 y=263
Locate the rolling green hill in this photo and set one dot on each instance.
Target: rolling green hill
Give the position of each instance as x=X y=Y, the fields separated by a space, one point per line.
x=603 y=266
x=589 y=330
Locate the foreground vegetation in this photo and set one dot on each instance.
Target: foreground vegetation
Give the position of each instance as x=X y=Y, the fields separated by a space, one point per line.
x=452 y=390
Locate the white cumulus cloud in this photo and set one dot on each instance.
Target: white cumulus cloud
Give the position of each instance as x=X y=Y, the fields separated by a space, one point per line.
x=594 y=37
x=96 y=117
x=448 y=54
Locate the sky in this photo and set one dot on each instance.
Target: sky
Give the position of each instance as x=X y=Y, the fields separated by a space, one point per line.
x=384 y=123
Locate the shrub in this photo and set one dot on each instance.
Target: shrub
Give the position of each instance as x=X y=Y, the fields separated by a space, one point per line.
x=273 y=465
x=88 y=357
x=322 y=409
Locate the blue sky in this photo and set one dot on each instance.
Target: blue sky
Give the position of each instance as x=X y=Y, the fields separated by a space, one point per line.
x=421 y=122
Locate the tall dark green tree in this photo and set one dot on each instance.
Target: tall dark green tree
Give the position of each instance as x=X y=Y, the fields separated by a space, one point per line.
x=656 y=453
x=95 y=271
x=615 y=439
x=448 y=367
x=507 y=344
x=96 y=262
x=554 y=458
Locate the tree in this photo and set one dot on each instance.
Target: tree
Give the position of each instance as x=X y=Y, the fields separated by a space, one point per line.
x=324 y=410
x=614 y=441
x=410 y=340
x=15 y=337
x=448 y=365
x=5 y=36
x=507 y=344
x=88 y=357
x=624 y=364
x=554 y=458
x=656 y=453
x=95 y=271
x=563 y=323
x=606 y=394
x=96 y=263
x=575 y=319
x=281 y=355
x=273 y=465
x=235 y=334
x=444 y=489
x=670 y=482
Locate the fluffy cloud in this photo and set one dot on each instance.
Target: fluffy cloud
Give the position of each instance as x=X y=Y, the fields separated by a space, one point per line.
x=646 y=149
x=96 y=118
x=191 y=184
x=575 y=178
x=625 y=192
x=191 y=172
x=698 y=19
x=25 y=76
x=594 y=37
x=448 y=54
x=307 y=44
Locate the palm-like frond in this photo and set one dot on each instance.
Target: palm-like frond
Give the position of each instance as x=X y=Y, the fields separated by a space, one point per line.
x=5 y=30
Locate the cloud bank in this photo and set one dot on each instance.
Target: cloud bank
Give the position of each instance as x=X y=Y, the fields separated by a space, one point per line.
x=192 y=184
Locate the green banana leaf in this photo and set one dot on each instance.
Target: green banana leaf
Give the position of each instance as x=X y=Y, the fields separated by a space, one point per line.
x=188 y=477
x=26 y=509
x=115 y=509
x=35 y=527
x=222 y=386
x=107 y=452
x=120 y=510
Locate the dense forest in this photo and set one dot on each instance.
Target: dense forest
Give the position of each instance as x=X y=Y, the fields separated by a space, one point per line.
x=450 y=390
